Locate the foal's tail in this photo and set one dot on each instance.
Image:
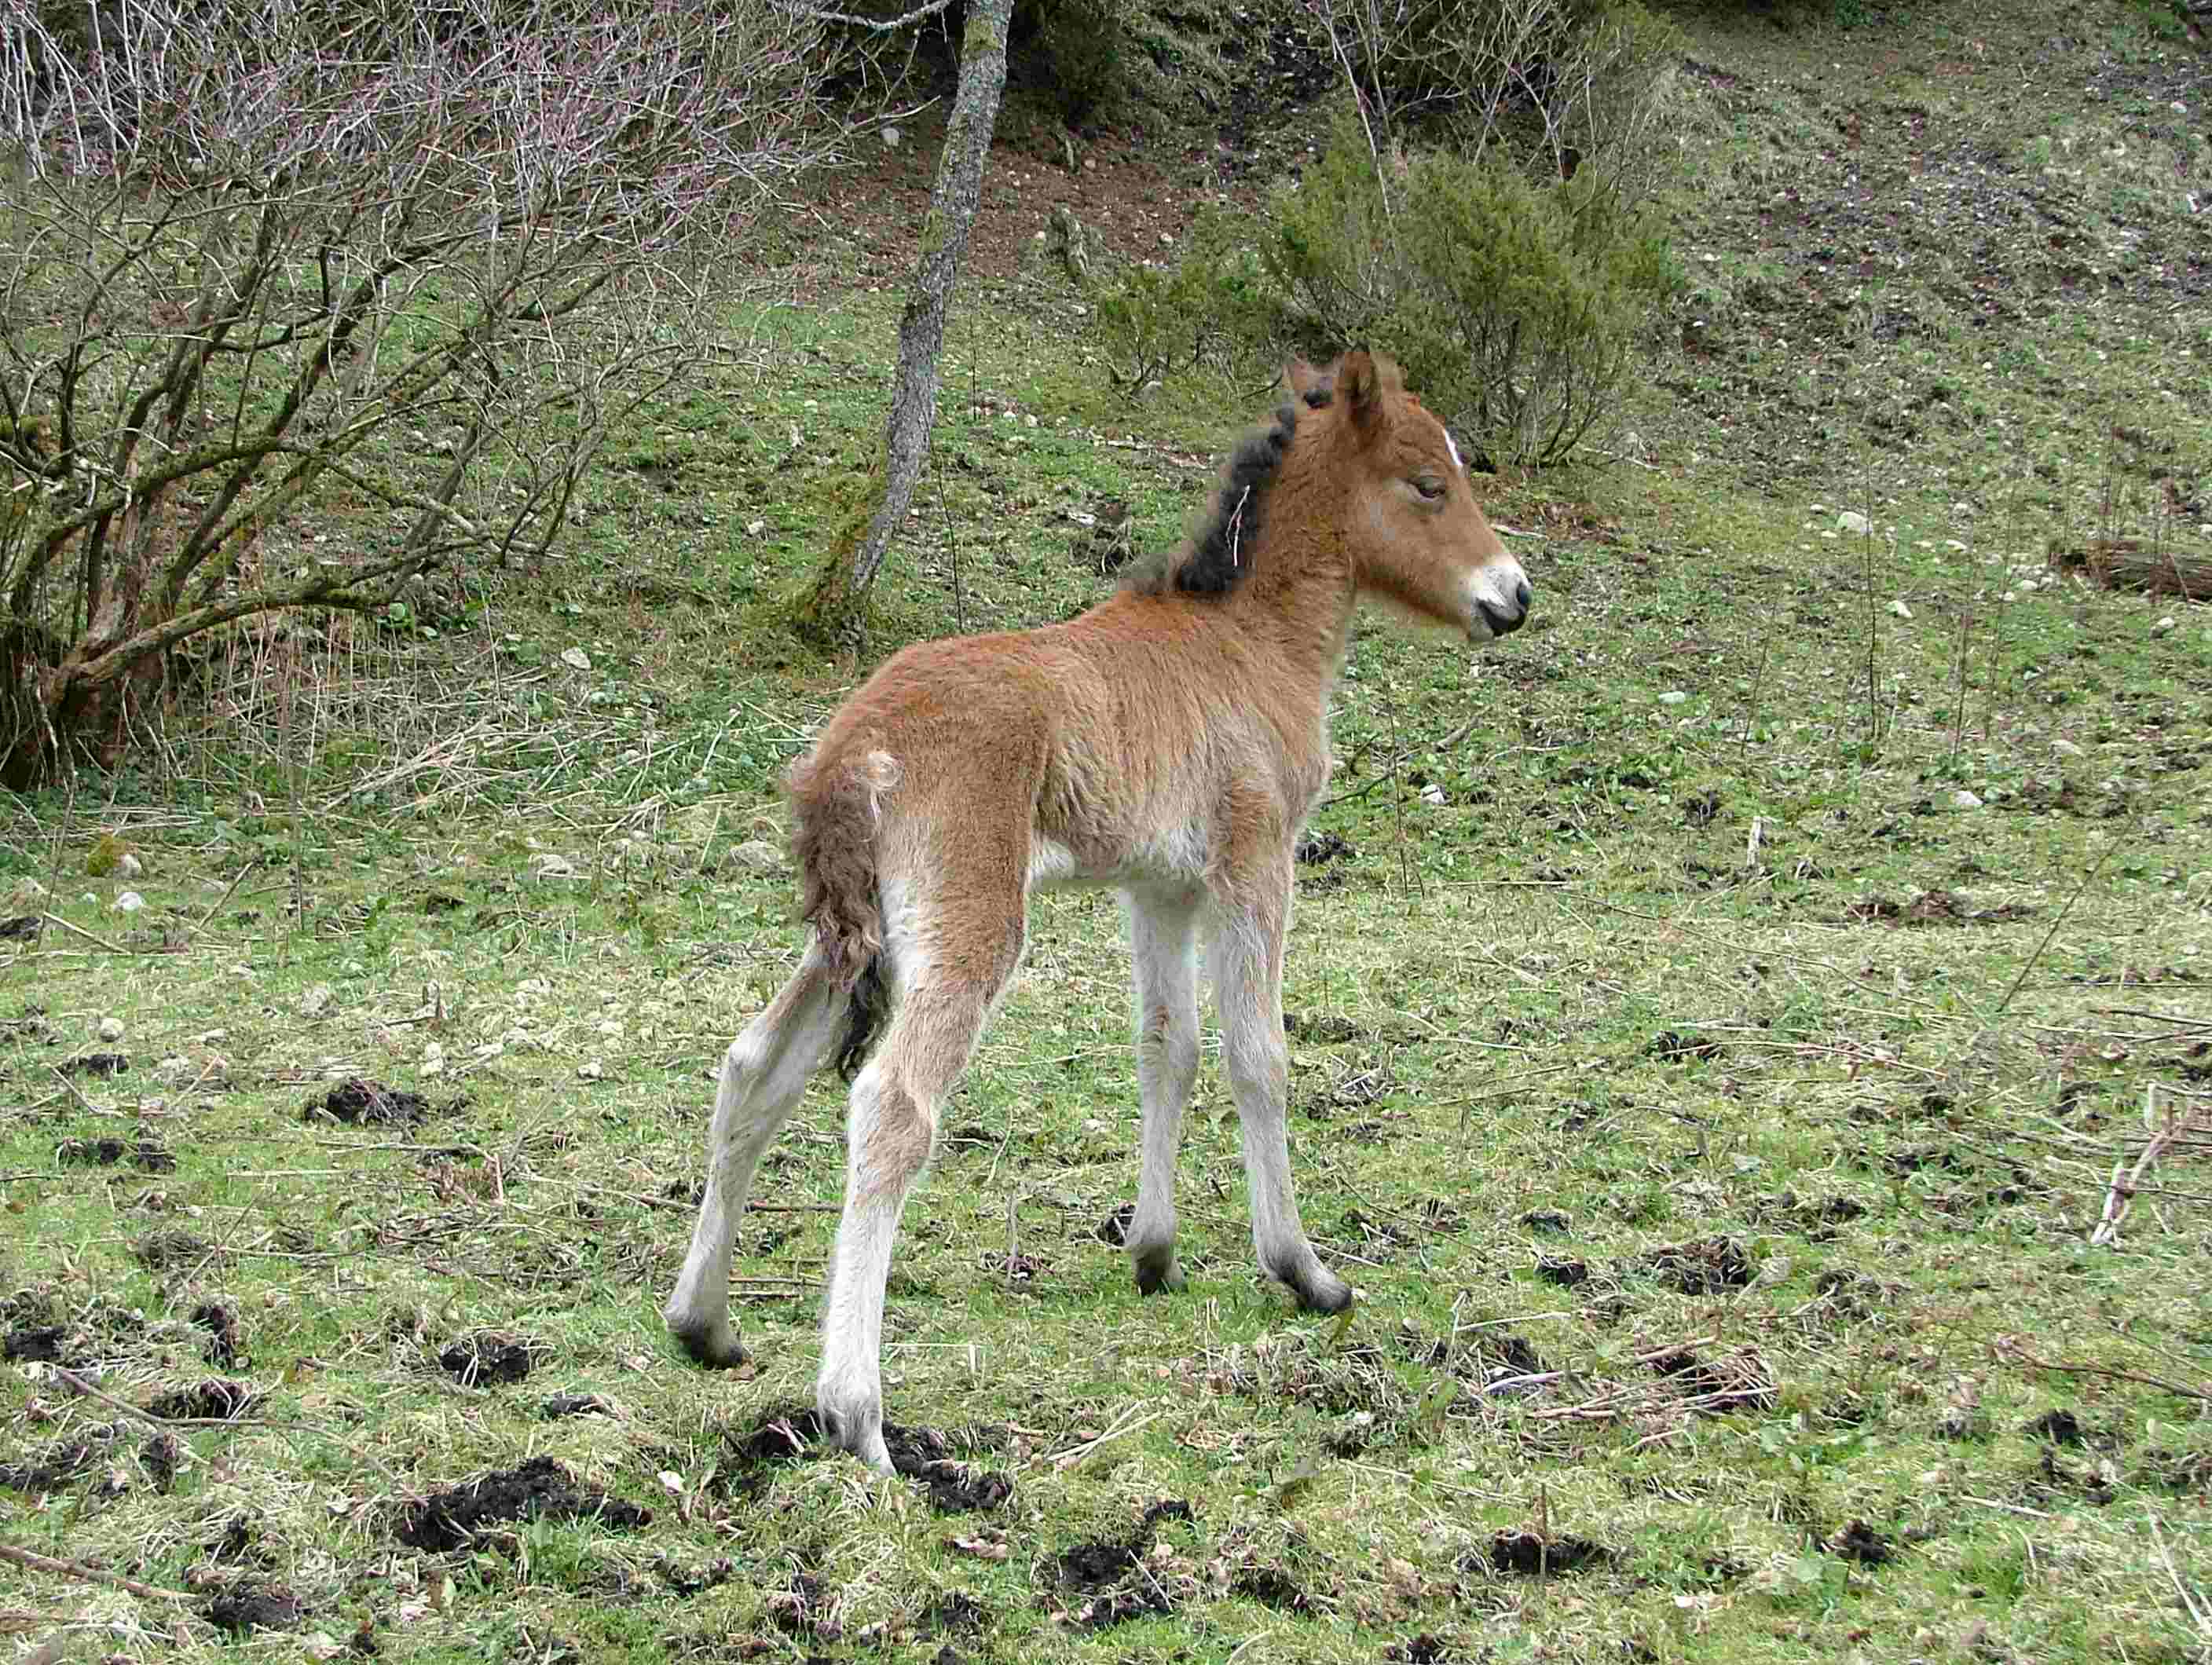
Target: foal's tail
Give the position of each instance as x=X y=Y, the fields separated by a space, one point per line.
x=839 y=804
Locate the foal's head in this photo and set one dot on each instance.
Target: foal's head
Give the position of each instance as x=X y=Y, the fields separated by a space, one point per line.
x=1419 y=539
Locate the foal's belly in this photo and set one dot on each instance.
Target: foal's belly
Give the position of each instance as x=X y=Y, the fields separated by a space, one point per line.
x=1173 y=855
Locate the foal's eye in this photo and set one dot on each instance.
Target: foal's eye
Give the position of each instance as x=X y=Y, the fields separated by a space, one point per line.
x=1429 y=488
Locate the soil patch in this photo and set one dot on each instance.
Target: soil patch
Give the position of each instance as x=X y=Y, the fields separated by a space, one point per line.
x=147 y=1153
x=35 y=1344
x=1107 y=1583
x=1114 y=1229
x=488 y=1356
x=161 y=1251
x=1271 y=1587
x=362 y=1104
x=1317 y=850
x=22 y=928
x=790 y=1434
x=693 y=1581
x=1860 y=1543
x=1705 y=1267
x=1422 y=1649
x=799 y=1609
x=1932 y=908
x=568 y=1405
x=212 y=1401
x=1671 y=1045
x=100 y=1064
x=225 y=1340
x=925 y=1455
x=247 y=1606
x=958 y=1613
x=1527 y=1555
x=1567 y=1275
x=539 y=1490
x=59 y=1462
x=2058 y=1428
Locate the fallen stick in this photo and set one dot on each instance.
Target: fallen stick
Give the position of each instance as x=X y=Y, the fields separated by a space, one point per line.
x=2120 y=1195
x=37 y=1562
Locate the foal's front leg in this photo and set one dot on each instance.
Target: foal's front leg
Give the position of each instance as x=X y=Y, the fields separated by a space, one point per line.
x=1164 y=965
x=1247 y=976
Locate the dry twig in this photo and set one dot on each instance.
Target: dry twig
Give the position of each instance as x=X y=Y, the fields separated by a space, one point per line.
x=2121 y=1195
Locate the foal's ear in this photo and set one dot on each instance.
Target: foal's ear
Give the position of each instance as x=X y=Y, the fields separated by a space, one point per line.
x=1358 y=380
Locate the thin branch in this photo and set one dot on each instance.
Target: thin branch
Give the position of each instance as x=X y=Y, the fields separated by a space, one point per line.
x=852 y=20
x=78 y=1569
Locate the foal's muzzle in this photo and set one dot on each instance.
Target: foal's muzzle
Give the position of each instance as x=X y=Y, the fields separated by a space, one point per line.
x=1504 y=621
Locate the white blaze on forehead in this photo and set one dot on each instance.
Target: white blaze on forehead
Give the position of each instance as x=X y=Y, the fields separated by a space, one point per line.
x=1453 y=449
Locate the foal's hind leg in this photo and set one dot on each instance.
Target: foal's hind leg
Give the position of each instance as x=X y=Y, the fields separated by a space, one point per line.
x=1163 y=961
x=946 y=989
x=1247 y=977
x=763 y=1073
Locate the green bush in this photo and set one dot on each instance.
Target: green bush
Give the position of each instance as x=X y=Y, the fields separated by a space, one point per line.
x=1082 y=43
x=1517 y=307
x=1214 y=303
x=1513 y=267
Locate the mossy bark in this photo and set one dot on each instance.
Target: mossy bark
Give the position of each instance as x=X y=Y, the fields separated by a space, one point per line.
x=834 y=609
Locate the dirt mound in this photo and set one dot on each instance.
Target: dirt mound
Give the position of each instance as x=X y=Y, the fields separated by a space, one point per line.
x=1106 y=1583
x=212 y=1401
x=488 y=1356
x=362 y=1104
x=1705 y=1267
x=539 y=1490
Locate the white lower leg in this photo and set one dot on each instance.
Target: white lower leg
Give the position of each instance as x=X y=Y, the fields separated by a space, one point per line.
x=1248 y=975
x=763 y=1073
x=888 y=1141
x=1167 y=1065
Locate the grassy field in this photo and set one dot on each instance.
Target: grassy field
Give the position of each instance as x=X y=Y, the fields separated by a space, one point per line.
x=1716 y=1023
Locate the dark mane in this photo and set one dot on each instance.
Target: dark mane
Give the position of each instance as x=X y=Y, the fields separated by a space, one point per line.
x=1215 y=561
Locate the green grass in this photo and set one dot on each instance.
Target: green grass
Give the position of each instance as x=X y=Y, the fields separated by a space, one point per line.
x=1710 y=1053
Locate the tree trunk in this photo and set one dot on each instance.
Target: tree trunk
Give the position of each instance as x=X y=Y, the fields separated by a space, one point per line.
x=833 y=611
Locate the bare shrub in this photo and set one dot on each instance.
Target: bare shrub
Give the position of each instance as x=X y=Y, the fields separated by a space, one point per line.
x=304 y=297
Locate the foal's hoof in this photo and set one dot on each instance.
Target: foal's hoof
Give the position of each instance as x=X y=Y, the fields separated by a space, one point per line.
x=1156 y=1270
x=859 y=1432
x=717 y=1348
x=1318 y=1290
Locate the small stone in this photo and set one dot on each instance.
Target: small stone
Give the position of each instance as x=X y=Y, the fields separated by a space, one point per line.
x=1432 y=794
x=590 y=1070
x=318 y=1000
x=755 y=855
x=1963 y=799
x=755 y=528
x=576 y=658
x=551 y=865
x=2067 y=749
x=1673 y=696
x=1898 y=609
x=1852 y=524
x=128 y=865
x=892 y=138
x=111 y=1029
x=129 y=902
x=2160 y=629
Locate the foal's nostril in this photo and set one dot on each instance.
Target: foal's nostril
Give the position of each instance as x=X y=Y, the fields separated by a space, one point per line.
x=1525 y=594
x=1502 y=622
